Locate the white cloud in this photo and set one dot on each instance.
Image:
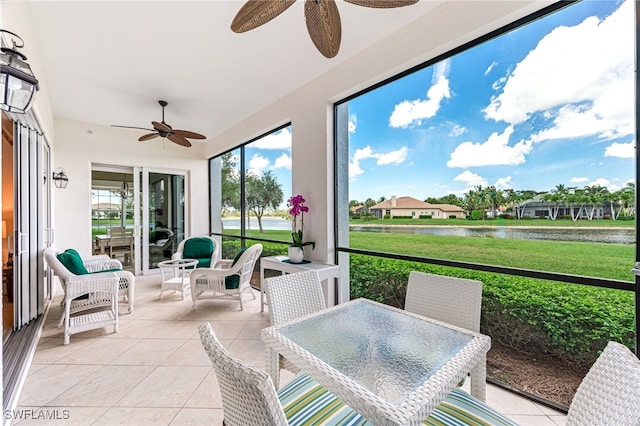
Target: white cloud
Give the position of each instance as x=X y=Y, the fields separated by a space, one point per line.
x=585 y=88
x=408 y=113
x=279 y=140
x=503 y=183
x=457 y=130
x=393 y=157
x=471 y=179
x=353 y=122
x=579 y=179
x=490 y=67
x=495 y=151
x=258 y=163
x=283 y=162
x=604 y=182
x=622 y=150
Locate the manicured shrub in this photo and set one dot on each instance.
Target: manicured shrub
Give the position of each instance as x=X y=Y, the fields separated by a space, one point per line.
x=567 y=322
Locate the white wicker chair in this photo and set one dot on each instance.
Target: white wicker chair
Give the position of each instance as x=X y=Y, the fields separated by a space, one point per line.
x=291 y=296
x=610 y=392
x=210 y=283
x=215 y=255
x=456 y=301
x=93 y=264
x=249 y=398
x=99 y=297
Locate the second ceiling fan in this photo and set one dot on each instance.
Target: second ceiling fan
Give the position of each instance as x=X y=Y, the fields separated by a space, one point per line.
x=321 y=16
x=164 y=130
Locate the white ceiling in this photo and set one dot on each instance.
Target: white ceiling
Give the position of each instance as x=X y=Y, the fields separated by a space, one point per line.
x=110 y=62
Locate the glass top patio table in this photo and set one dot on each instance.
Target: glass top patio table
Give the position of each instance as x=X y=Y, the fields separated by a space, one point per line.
x=392 y=366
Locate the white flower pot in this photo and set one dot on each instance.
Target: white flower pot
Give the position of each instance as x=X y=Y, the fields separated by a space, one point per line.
x=296 y=255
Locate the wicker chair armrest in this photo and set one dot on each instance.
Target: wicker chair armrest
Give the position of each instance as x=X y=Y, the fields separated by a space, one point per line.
x=91 y=284
x=101 y=264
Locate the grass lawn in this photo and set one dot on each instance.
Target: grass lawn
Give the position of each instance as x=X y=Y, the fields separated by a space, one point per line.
x=497 y=222
x=603 y=260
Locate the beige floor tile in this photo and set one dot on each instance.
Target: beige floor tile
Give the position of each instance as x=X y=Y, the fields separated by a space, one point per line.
x=177 y=330
x=531 y=420
x=96 y=351
x=191 y=353
x=166 y=386
x=52 y=349
x=50 y=382
x=207 y=394
x=511 y=403
x=198 y=416
x=252 y=328
x=105 y=387
x=136 y=328
x=250 y=351
x=139 y=416
x=148 y=352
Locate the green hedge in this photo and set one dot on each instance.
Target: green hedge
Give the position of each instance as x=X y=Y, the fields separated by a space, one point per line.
x=569 y=322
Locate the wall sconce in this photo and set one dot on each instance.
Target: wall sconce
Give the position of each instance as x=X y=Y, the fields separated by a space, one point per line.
x=60 y=178
x=18 y=85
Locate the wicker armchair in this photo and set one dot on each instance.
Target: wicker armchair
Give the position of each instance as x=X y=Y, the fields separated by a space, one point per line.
x=93 y=265
x=291 y=296
x=230 y=279
x=206 y=258
x=249 y=398
x=456 y=301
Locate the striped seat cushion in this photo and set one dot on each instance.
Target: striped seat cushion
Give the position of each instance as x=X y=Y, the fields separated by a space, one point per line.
x=460 y=408
x=306 y=402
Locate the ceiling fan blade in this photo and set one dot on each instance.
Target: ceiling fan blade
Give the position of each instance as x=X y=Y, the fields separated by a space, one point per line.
x=323 y=25
x=257 y=12
x=131 y=127
x=382 y=4
x=147 y=137
x=161 y=127
x=178 y=139
x=188 y=134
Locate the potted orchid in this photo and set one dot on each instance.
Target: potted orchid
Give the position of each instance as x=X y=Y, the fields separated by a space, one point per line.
x=297 y=209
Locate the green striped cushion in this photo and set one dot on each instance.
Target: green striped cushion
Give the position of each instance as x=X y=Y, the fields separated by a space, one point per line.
x=460 y=408
x=306 y=402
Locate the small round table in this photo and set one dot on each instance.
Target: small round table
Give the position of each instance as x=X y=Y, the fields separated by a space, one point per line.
x=175 y=274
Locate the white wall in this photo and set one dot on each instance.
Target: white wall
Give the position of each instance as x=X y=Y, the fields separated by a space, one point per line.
x=79 y=145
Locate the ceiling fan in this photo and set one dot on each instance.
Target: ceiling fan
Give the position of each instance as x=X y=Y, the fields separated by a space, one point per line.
x=164 y=130
x=321 y=16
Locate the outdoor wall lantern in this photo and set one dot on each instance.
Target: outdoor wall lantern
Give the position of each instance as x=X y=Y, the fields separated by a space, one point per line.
x=60 y=178
x=18 y=85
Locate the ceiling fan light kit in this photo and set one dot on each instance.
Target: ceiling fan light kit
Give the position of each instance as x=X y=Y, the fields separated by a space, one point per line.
x=321 y=16
x=164 y=130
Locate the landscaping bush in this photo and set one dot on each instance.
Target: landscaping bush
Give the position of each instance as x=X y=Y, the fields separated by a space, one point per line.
x=476 y=215
x=402 y=217
x=424 y=216
x=568 y=322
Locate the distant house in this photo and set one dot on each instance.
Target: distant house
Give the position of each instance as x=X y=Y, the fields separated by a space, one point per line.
x=358 y=210
x=411 y=207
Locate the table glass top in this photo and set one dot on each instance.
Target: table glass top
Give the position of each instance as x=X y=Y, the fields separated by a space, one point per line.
x=386 y=351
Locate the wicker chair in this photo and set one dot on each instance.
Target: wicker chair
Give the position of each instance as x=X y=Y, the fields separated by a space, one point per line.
x=212 y=256
x=91 y=300
x=610 y=392
x=249 y=398
x=93 y=264
x=230 y=279
x=291 y=296
x=456 y=301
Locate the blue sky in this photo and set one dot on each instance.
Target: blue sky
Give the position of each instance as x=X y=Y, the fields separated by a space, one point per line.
x=549 y=103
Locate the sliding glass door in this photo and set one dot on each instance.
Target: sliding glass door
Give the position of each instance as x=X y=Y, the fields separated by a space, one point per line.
x=162 y=214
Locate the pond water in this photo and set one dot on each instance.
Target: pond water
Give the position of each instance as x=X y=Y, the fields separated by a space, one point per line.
x=599 y=235
x=584 y=234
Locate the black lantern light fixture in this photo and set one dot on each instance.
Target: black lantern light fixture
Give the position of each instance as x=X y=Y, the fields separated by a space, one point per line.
x=124 y=189
x=60 y=178
x=18 y=85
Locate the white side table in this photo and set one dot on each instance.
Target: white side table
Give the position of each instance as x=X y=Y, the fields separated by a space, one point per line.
x=175 y=274
x=326 y=272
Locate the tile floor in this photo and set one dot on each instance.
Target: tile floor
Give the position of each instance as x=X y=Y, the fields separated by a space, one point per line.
x=155 y=372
